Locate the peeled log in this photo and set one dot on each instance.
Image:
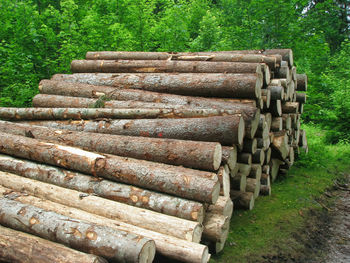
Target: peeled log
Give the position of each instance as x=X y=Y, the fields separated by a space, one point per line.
x=19 y=247
x=102 y=241
x=127 y=194
x=227 y=130
x=216 y=227
x=184 y=182
x=301 y=82
x=168 y=225
x=168 y=246
x=162 y=66
x=244 y=200
x=197 y=84
x=193 y=154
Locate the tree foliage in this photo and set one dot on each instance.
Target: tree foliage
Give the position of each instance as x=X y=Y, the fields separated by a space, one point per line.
x=40 y=37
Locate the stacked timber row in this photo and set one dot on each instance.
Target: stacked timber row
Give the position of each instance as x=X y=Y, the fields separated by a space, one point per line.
x=144 y=153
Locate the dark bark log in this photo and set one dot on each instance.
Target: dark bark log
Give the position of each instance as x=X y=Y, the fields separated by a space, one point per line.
x=250 y=145
x=227 y=130
x=122 y=193
x=276 y=108
x=229 y=156
x=216 y=227
x=264 y=132
x=244 y=158
x=284 y=73
x=102 y=241
x=301 y=82
x=239 y=182
x=198 y=84
x=277 y=124
x=253 y=186
x=162 y=66
x=19 y=247
x=183 y=182
x=290 y=107
x=255 y=171
x=244 y=200
x=258 y=156
x=193 y=154
x=277 y=92
x=168 y=246
x=301 y=98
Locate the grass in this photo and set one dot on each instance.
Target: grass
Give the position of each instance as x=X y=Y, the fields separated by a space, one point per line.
x=270 y=227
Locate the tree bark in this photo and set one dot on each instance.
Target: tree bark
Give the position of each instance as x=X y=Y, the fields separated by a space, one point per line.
x=216 y=227
x=19 y=247
x=162 y=66
x=244 y=200
x=197 y=84
x=253 y=186
x=168 y=246
x=183 y=182
x=193 y=154
x=239 y=182
x=122 y=193
x=301 y=82
x=100 y=240
x=228 y=130
x=229 y=156
x=180 y=228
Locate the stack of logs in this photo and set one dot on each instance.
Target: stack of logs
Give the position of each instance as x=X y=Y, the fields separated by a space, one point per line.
x=144 y=152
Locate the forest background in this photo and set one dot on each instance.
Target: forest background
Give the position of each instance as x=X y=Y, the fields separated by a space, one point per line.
x=40 y=38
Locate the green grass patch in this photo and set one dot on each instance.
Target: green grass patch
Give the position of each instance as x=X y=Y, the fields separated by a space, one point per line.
x=269 y=228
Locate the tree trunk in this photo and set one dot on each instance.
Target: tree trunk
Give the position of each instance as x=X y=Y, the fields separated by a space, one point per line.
x=228 y=130
x=102 y=241
x=216 y=227
x=195 y=185
x=168 y=246
x=229 y=156
x=193 y=154
x=20 y=247
x=223 y=206
x=162 y=66
x=198 y=84
x=168 y=225
x=239 y=182
x=253 y=186
x=244 y=200
x=122 y=193
x=301 y=82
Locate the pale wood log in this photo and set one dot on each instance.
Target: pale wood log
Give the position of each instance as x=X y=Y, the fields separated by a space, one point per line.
x=277 y=92
x=239 y=182
x=255 y=171
x=224 y=179
x=162 y=66
x=264 y=132
x=266 y=97
x=193 y=154
x=244 y=200
x=275 y=82
x=250 y=145
x=267 y=155
x=301 y=108
x=223 y=206
x=287 y=121
x=102 y=241
x=280 y=144
x=243 y=157
x=216 y=227
x=197 y=84
x=290 y=107
x=258 y=156
x=234 y=171
x=291 y=156
x=277 y=124
x=131 y=195
x=168 y=246
x=227 y=130
x=214 y=247
x=265 y=185
x=263 y=143
x=181 y=228
x=20 y=247
x=301 y=82
x=253 y=186
x=274 y=167
x=229 y=156
x=268 y=119
x=154 y=176
x=244 y=168
x=267 y=74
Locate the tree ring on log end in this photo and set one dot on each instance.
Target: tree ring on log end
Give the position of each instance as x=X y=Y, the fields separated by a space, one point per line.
x=241 y=129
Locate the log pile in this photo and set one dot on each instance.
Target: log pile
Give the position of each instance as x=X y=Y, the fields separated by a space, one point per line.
x=138 y=153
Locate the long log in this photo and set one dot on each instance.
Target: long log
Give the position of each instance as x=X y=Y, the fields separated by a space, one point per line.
x=287 y=54
x=168 y=246
x=162 y=66
x=198 y=84
x=234 y=56
x=168 y=225
x=102 y=241
x=227 y=130
x=193 y=154
x=184 y=182
x=19 y=247
x=127 y=194
x=244 y=200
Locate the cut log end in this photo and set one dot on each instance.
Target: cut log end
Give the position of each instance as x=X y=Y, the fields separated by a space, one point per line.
x=241 y=131
x=215 y=193
x=148 y=252
x=217 y=156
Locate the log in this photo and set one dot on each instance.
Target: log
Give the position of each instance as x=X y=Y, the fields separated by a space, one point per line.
x=229 y=156
x=197 y=84
x=277 y=92
x=290 y=107
x=276 y=108
x=214 y=247
x=186 y=56
x=301 y=82
x=266 y=97
x=301 y=98
x=20 y=247
x=274 y=167
x=244 y=200
x=102 y=241
x=239 y=182
x=193 y=154
x=277 y=124
x=216 y=227
x=244 y=158
x=255 y=171
x=287 y=54
x=194 y=184
x=162 y=66
x=267 y=155
x=264 y=132
x=265 y=185
x=283 y=72
x=258 y=156
x=302 y=138
x=280 y=144
x=263 y=143
x=253 y=186
x=223 y=206
x=181 y=228
x=168 y=246
x=244 y=168
x=266 y=169
x=268 y=119
x=287 y=121
x=250 y=145
x=131 y=195
x=228 y=130
x=224 y=179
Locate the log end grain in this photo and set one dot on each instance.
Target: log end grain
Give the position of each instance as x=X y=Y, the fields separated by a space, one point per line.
x=217 y=156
